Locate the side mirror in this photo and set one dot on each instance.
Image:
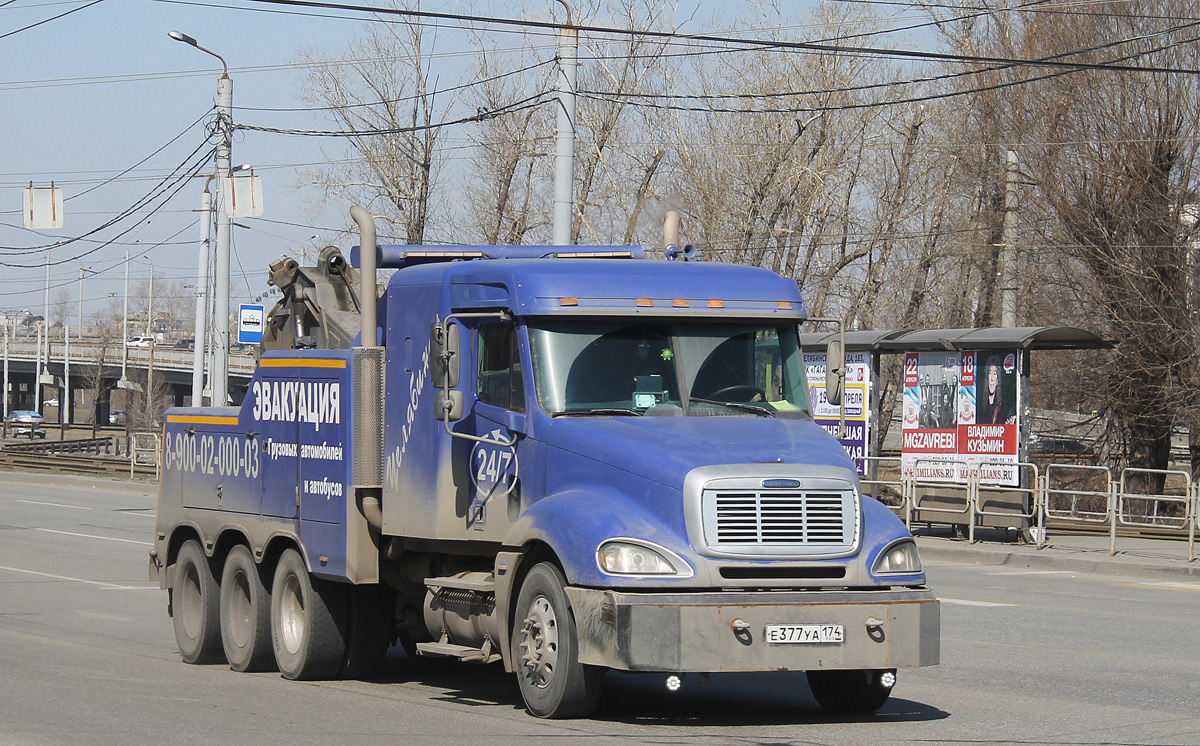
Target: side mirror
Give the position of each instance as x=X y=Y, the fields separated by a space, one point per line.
x=835 y=372
x=444 y=354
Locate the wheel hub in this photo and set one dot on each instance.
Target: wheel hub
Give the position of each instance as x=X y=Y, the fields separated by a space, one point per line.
x=539 y=642
x=291 y=614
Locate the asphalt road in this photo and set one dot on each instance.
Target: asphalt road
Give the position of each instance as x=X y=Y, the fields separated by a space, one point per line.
x=87 y=656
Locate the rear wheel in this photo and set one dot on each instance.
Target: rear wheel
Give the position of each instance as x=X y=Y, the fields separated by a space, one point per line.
x=852 y=691
x=195 y=606
x=372 y=609
x=307 y=621
x=545 y=649
x=245 y=613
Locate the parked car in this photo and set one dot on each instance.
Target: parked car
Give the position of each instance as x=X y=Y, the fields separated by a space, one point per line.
x=1059 y=446
x=186 y=344
x=241 y=347
x=26 y=420
x=140 y=342
x=116 y=417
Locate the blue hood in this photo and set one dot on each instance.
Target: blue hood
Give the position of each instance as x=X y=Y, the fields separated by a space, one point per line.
x=665 y=449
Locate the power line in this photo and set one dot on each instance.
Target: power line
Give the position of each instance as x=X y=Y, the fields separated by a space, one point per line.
x=1044 y=7
x=137 y=205
x=610 y=95
x=744 y=41
x=52 y=18
x=156 y=152
x=402 y=99
x=481 y=115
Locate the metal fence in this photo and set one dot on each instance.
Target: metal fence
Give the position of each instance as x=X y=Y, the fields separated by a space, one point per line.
x=1165 y=502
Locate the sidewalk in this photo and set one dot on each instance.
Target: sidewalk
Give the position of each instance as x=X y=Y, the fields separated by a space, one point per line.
x=1072 y=552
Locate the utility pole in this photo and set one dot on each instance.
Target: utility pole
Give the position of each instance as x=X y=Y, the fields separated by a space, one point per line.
x=81 y=296
x=201 y=297
x=564 y=161
x=219 y=379
x=44 y=363
x=6 y=327
x=66 y=403
x=219 y=373
x=1008 y=249
x=150 y=306
x=124 y=382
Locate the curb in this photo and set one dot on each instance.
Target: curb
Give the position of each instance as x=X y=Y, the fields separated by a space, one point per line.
x=1073 y=559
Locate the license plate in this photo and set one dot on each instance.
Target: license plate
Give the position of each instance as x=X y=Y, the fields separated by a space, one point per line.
x=798 y=634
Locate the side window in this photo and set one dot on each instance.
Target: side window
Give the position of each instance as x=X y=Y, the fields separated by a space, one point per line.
x=498 y=380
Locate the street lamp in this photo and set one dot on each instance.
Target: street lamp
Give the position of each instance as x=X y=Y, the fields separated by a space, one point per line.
x=219 y=375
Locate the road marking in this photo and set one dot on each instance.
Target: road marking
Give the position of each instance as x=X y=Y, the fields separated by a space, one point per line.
x=1031 y=572
x=106 y=586
x=93 y=536
x=1164 y=586
x=964 y=602
x=54 y=505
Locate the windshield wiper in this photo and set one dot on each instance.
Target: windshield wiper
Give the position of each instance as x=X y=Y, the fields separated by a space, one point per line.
x=735 y=405
x=596 y=411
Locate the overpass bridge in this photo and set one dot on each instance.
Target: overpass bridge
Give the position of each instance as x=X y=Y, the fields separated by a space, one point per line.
x=86 y=379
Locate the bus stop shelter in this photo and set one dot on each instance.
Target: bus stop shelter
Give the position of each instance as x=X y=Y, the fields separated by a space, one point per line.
x=966 y=417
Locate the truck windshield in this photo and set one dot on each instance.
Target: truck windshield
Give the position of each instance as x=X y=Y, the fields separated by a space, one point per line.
x=610 y=367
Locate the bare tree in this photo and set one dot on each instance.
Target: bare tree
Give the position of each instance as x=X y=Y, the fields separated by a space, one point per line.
x=510 y=150
x=385 y=99
x=1109 y=162
x=107 y=336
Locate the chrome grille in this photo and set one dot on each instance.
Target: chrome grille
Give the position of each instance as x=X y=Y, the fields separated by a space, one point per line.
x=779 y=518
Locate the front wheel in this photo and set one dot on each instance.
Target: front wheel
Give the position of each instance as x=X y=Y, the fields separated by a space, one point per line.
x=852 y=691
x=195 y=606
x=307 y=622
x=545 y=649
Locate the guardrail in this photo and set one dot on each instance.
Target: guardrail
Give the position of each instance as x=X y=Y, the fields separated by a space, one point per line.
x=1070 y=494
x=102 y=455
x=100 y=446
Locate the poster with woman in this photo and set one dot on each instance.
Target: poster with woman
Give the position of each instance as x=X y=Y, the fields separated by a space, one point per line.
x=987 y=420
x=960 y=416
x=996 y=394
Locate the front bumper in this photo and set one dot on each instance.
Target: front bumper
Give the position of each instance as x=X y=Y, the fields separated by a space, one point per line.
x=680 y=632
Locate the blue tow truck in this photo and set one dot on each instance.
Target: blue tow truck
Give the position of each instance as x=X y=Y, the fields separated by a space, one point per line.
x=562 y=459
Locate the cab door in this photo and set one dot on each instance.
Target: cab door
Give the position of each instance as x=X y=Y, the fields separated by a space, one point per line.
x=495 y=465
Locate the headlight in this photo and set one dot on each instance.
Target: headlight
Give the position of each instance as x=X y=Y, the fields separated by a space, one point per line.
x=630 y=558
x=900 y=558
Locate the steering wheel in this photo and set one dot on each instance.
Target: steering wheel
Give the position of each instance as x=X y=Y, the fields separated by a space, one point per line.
x=752 y=390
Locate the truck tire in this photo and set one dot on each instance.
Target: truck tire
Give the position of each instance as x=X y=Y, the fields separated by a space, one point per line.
x=850 y=691
x=245 y=613
x=307 y=622
x=195 y=606
x=545 y=649
x=372 y=610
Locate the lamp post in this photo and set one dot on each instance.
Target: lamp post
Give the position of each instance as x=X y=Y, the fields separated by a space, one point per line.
x=219 y=374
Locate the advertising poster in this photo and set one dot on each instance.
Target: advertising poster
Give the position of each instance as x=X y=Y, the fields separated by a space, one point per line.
x=857 y=402
x=960 y=416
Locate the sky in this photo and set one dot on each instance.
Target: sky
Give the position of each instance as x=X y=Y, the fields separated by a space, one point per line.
x=101 y=102
x=91 y=94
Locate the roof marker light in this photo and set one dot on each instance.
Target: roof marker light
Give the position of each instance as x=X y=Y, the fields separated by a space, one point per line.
x=716 y=304
x=784 y=305
x=644 y=302
x=680 y=302
x=568 y=301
